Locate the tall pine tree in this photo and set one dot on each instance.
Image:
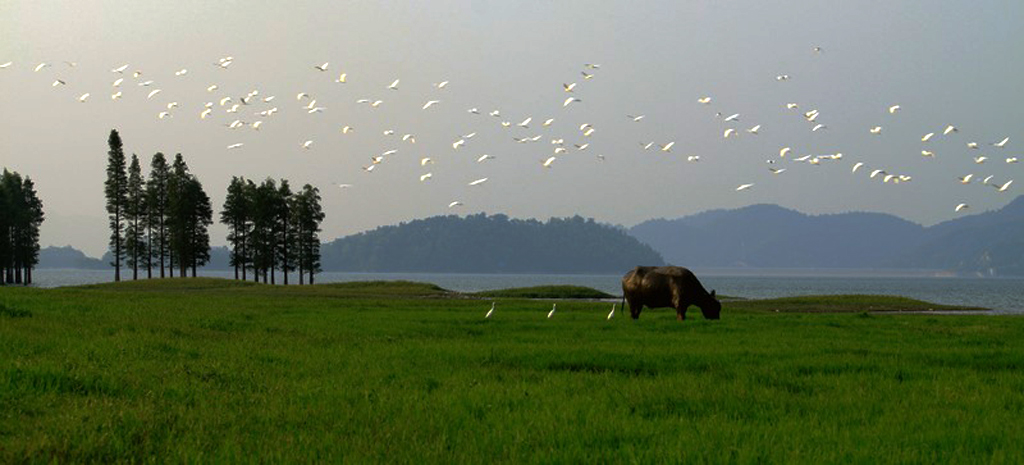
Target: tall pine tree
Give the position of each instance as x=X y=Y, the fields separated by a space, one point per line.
x=115 y=189
x=308 y=216
x=136 y=250
x=156 y=201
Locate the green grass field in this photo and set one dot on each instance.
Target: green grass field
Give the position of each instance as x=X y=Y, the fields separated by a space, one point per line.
x=202 y=370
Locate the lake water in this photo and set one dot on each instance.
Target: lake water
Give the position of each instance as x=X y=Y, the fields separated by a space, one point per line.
x=1004 y=295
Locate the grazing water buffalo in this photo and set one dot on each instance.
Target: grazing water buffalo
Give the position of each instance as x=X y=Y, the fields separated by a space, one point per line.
x=667 y=286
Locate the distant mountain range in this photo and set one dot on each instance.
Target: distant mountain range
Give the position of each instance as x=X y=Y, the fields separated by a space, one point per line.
x=490 y=244
x=758 y=236
x=769 y=236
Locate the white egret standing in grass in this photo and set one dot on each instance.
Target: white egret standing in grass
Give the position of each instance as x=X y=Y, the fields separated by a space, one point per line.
x=552 y=312
x=490 y=312
x=611 y=314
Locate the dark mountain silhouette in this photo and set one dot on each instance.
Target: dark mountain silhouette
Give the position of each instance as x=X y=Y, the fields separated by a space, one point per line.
x=68 y=257
x=489 y=244
x=769 y=236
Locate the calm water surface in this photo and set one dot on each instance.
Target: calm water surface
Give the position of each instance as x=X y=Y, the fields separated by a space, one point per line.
x=1004 y=295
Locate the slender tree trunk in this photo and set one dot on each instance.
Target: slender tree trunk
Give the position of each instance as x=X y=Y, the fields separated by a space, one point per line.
x=117 y=247
x=272 y=273
x=28 y=275
x=17 y=274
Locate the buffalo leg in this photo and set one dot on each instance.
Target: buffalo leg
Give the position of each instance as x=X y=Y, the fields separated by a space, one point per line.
x=634 y=309
x=680 y=313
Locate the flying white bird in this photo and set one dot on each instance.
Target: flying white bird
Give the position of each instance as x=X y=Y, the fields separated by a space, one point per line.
x=58 y=82
x=425 y=160
x=409 y=138
x=307 y=144
x=454 y=204
x=949 y=129
x=458 y=143
x=777 y=170
x=586 y=75
x=568 y=87
x=792 y=106
x=1001 y=143
x=119 y=69
x=40 y=66
x=668 y=147
x=343 y=186
x=484 y=157
x=425 y=177
x=525 y=123
x=744 y=187
x=693 y=158
x=478 y=182
x=441 y=85
x=987 y=179
x=115 y=95
x=926 y=137
x=547 y=163
x=782 y=77
x=1004 y=186
x=117 y=82
x=322 y=67
x=490 y=312
x=394 y=85
x=495 y=113
x=181 y=72
x=972 y=145
x=927 y=153
x=342 y=78
x=83 y=97
x=548 y=122
x=581 y=147
x=704 y=100
x=875 y=130
x=636 y=118
x=552 y=312
x=346 y=129
x=728 y=132
x=962 y=206
x=734 y=117
x=1011 y=159
x=980 y=160
x=893 y=109
x=783 y=152
x=965 y=179
x=856 y=166
x=235 y=146
x=754 y=129
x=430 y=103
x=152 y=93
x=163 y=114
x=570 y=100
x=818 y=126
x=876 y=173
x=205 y=113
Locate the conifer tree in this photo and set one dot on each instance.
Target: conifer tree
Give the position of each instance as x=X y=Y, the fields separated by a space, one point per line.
x=156 y=201
x=115 y=189
x=136 y=250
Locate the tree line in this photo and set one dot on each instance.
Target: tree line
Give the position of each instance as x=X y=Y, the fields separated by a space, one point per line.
x=21 y=215
x=162 y=223
x=271 y=228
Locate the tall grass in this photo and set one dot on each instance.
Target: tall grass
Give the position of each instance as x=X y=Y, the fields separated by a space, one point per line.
x=213 y=371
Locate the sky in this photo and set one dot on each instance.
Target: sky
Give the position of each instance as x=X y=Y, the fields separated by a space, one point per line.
x=944 y=62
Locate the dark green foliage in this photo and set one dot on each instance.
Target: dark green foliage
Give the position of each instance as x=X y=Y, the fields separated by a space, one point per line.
x=490 y=244
x=135 y=215
x=21 y=215
x=116 y=191
x=158 y=211
x=547 y=292
x=190 y=214
x=272 y=228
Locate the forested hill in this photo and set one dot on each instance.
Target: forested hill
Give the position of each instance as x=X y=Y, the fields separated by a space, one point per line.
x=490 y=244
x=769 y=236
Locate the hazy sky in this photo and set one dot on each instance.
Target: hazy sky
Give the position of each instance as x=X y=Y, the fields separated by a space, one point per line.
x=950 y=62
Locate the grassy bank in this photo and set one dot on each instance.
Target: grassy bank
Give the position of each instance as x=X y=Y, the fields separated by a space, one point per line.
x=212 y=370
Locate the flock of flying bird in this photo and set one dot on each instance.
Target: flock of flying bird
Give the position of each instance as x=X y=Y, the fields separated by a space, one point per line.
x=262 y=109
